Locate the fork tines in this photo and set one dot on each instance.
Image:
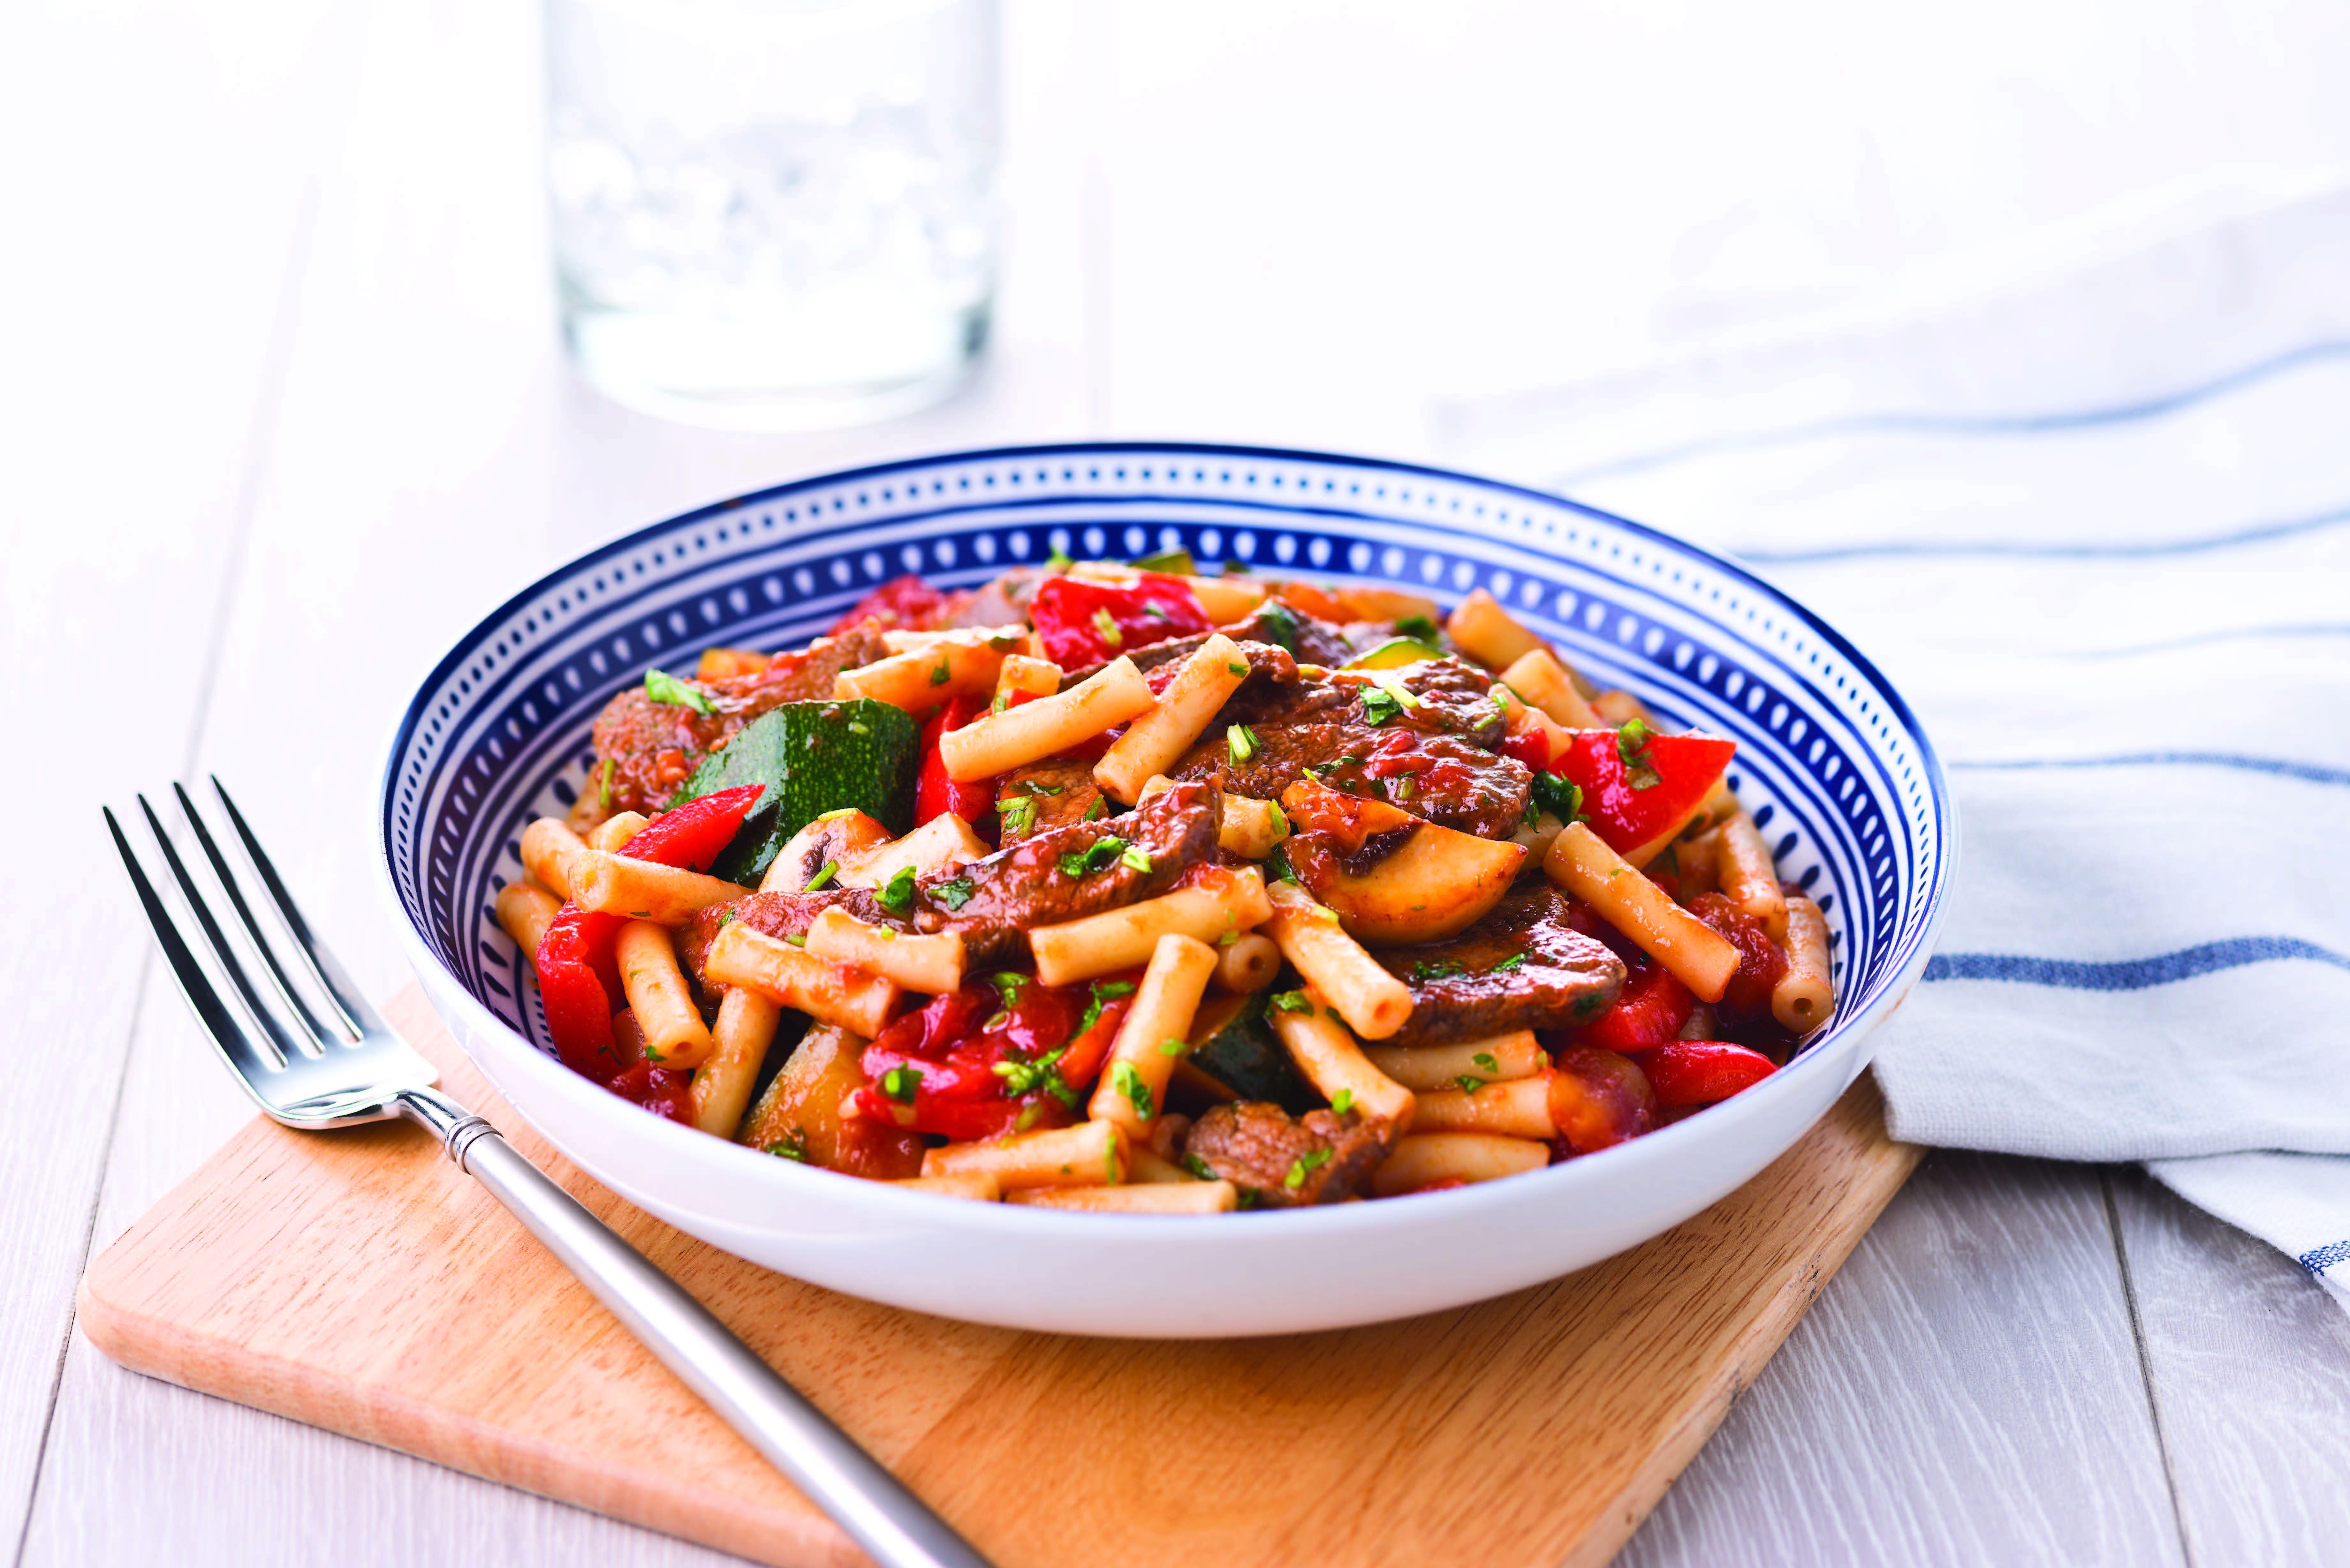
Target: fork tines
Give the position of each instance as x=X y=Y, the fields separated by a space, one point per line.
x=279 y=1035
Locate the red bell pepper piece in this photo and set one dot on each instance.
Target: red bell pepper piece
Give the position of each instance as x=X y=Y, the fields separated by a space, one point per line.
x=1638 y=785
x=1530 y=746
x=578 y=981
x=1687 y=1073
x=1083 y=622
x=901 y=604
x=997 y=1056
x=1761 y=962
x=1650 y=1010
x=1598 y=1099
x=935 y=794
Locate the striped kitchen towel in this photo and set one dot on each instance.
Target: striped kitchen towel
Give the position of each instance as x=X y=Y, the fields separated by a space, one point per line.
x=2097 y=530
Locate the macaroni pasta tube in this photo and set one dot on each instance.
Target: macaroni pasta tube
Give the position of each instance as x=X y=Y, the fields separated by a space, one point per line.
x=1153 y=742
x=1803 y=997
x=1121 y=939
x=1580 y=861
x=1373 y=1002
x=1133 y=1086
x=1334 y=1063
x=1001 y=742
x=674 y=1034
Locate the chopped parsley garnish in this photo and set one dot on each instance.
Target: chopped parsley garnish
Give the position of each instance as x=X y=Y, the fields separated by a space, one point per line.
x=1110 y=636
x=1276 y=866
x=604 y=783
x=1021 y=1078
x=1241 y=742
x=938 y=671
x=1058 y=561
x=1099 y=856
x=999 y=702
x=1280 y=819
x=897 y=895
x=797 y=939
x=1104 y=992
x=1135 y=859
x=1201 y=1167
x=792 y=1147
x=1170 y=1046
x=1507 y=964
x=1469 y=1081
x=1632 y=749
x=1127 y=1082
x=663 y=687
x=1007 y=985
x=1303 y=1166
x=1235 y=669
x=1379 y=705
x=900 y=1083
x=1343 y=1101
x=1150 y=608
x=1017 y=814
x=1291 y=1001
x=953 y=893
x=822 y=879
x=1109 y=1161
x=1436 y=970
x=1099 y=809
x=1032 y=787
x=725 y=919
x=1484 y=1059
x=1556 y=796
x=1279 y=626
x=1418 y=627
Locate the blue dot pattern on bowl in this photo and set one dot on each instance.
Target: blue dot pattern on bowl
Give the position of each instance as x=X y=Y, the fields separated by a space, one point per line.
x=1831 y=763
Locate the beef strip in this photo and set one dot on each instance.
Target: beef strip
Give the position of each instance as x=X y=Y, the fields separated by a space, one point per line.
x=1258 y=1149
x=1064 y=790
x=1309 y=638
x=778 y=914
x=1456 y=992
x=652 y=746
x=995 y=901
x=1443 y=746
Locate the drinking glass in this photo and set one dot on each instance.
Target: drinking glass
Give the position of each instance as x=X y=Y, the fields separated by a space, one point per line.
x=773 y=214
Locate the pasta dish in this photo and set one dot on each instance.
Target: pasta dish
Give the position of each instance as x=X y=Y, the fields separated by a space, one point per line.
x=1125 y=888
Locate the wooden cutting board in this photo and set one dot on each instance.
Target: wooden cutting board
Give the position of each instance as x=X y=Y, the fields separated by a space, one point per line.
x=356 y=1281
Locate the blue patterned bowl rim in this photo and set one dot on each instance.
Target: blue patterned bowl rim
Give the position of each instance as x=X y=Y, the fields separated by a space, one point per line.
x=547 y=658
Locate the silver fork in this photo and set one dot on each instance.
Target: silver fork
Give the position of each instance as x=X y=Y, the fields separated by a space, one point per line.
x=312 y=1073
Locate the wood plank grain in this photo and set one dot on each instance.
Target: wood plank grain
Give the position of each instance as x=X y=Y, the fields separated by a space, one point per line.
x=1965 y=1392
x=2251 y=1366
x=361 y=1283
x=156 y=213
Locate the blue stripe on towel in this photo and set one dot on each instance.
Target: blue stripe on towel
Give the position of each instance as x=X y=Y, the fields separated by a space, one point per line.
x=2325 y=1257
x=1977 y=424
x=2308 y=773
x=2257 y=535
x=2204 y=638
x=2130 y=974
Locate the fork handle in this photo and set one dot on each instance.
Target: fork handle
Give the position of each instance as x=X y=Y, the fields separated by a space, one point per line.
x=893 y=1525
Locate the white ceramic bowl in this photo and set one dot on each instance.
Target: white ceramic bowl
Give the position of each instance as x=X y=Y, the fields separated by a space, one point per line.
x=1831 y=762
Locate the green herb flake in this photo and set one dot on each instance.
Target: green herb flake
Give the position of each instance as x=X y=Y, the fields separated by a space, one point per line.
x=1379 y=705
x=1632 y=741
x=1170 y=1046
x=1293 y=1001
x=792 y=1147
x=1104 y=992
x=822 y=879
x=1108 y=630
x=1099 y=856
x=1127 y=1082
x=1058 y=561
x=1303 y=1166
x=1018 y=815
x=1514 y=960
x=1559 y=798
x=1435 y=970
x=1276 y=866
x=1469 y=1081
x=1484 y=1059
x=901 y=1083
x=663 y=687
x=1150 y=608
x=897 y=895
x=1201 y=1167
x=1007 y=984
x=1280 y=819
x=1032 y=787
x=1109 y=1161
x=1241 y=742
x=653 y=1051
x=953 y=893
x=1343 y=1101
x=938 y=671
x=1135 y=859
x=604 y=784
x=725 y=919
x=1097 y=811
x=1418 y=627
x=797 y=939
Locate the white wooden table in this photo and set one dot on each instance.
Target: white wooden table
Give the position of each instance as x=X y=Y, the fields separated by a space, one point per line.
x=285 y=410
